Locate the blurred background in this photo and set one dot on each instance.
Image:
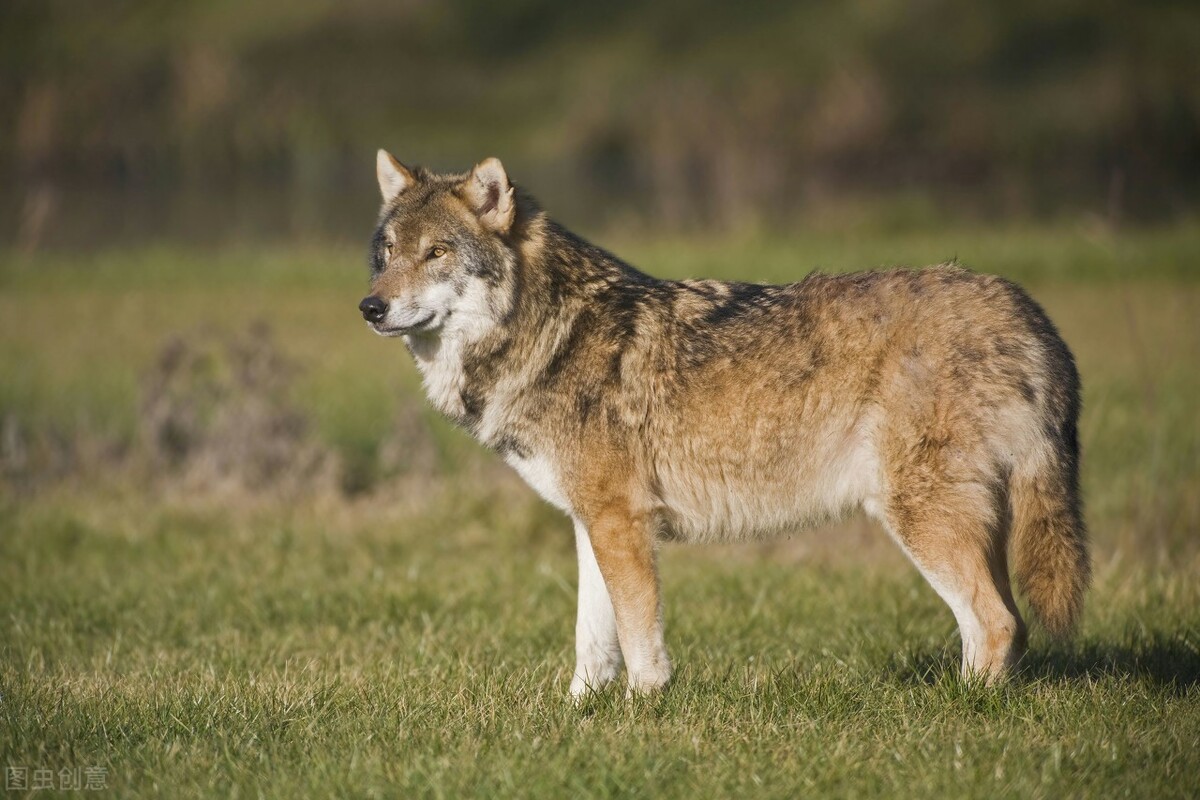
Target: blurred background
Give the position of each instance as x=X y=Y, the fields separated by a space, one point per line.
x=216 y=121
x=187 y=191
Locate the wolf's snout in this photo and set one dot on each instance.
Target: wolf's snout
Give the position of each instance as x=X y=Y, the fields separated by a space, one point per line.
x=373 y=308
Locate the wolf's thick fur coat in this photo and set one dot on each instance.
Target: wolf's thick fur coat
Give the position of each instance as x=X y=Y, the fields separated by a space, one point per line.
x=942 y=402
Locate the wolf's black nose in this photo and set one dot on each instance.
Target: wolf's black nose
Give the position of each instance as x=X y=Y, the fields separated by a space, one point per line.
x=373 y=308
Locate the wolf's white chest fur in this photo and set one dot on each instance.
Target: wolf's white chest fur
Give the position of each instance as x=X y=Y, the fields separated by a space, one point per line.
x=440 y=365
x=441 y=368
x=541 y=473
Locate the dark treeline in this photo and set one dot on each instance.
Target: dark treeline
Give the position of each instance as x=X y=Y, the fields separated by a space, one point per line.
x=194 y=113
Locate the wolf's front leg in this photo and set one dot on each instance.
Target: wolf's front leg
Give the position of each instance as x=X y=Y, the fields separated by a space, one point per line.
x=623 y=544
x=597 y=649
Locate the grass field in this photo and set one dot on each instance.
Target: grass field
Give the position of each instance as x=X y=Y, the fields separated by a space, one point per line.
x=395 y=619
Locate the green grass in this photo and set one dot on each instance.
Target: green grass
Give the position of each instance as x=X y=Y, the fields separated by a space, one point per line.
x=415 y=638
x=282 y=656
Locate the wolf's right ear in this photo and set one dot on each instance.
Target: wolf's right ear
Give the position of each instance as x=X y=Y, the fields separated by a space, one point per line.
x=393 y=176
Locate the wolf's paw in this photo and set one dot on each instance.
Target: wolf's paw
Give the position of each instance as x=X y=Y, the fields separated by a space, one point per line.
x=650 y=678
x=591 y=678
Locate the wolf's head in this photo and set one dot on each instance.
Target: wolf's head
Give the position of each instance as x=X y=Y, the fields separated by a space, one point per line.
x=441 y=262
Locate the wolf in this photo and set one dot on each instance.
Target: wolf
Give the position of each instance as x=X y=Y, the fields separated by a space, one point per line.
x=941 y=402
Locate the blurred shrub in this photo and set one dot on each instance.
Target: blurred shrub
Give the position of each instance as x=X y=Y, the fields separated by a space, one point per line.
x=217 y=411
x=218 y=418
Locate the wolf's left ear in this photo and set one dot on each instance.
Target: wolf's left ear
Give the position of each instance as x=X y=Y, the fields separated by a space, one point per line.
x=489 y=194
x=393 y=176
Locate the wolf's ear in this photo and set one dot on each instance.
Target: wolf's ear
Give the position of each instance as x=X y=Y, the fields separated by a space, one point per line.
x=489 y=194
x=393 y=176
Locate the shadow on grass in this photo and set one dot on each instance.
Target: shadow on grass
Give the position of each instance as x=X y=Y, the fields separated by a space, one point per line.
x=1170 y=661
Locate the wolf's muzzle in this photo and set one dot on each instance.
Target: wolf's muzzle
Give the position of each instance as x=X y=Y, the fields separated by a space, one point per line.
x=373 y=308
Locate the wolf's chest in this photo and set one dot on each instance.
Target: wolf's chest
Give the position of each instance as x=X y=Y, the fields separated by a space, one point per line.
x=542 y=474
x=440 y=365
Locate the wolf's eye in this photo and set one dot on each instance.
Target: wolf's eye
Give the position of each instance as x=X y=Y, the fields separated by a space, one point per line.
x=437 y=251
x=389 y=248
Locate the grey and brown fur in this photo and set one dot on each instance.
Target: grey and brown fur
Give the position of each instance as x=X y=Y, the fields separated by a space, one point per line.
x=941 y=402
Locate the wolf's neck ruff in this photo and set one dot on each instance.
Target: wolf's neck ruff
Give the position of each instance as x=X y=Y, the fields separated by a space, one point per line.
x=562 y=288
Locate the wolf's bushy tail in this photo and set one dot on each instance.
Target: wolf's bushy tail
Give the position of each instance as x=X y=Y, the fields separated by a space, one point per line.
x=1049 y=541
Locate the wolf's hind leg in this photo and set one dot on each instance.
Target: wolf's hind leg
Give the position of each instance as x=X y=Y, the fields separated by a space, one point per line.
x=597 y=649
x=958 y=544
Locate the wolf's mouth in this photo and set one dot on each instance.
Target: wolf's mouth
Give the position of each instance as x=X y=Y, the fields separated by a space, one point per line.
x=402 y=330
